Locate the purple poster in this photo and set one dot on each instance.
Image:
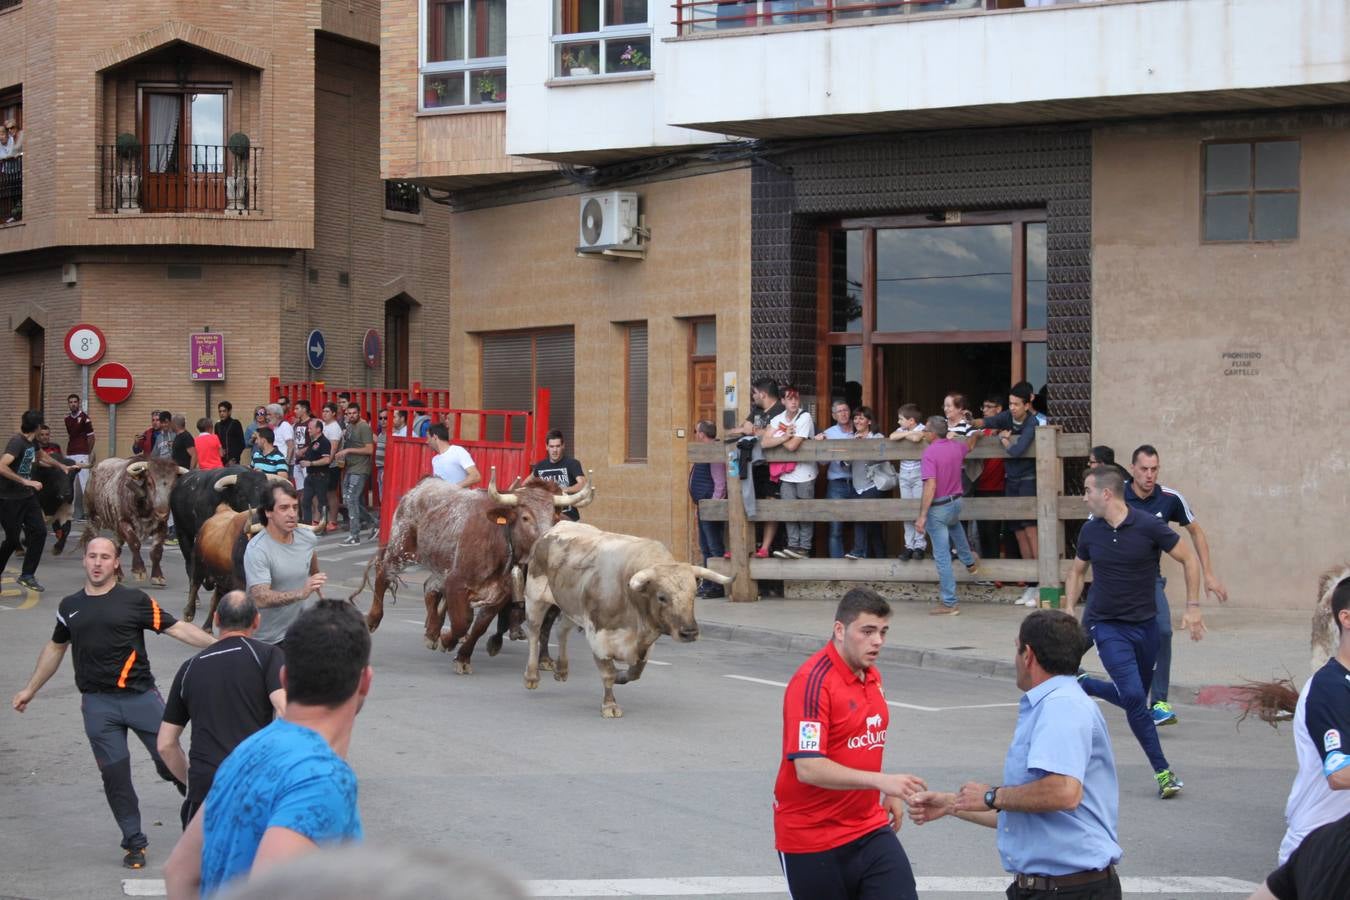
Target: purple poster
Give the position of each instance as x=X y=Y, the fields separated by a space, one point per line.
x=206 y=355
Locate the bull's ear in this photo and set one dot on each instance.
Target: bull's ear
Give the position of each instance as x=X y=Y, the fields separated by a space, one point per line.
x=501 y=515
x=640 y=580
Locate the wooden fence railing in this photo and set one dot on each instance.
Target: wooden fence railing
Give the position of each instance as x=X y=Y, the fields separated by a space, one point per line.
x=1049 y=508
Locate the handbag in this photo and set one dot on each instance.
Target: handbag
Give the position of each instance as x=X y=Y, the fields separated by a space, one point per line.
x=778 y=469
x=883 y=475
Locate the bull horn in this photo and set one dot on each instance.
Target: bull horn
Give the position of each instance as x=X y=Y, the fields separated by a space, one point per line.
x=272 y=476
x=580 y=498
x=305 y=525
x=507 y=499
x=710 y=575
x=137 y=469
x=223 y=483
x=515 y=483
x=183 y=471
x=640 y=579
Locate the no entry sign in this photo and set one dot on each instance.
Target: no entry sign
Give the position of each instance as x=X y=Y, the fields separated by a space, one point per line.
x=112 y=383
x=370 y=348
x=85 y=344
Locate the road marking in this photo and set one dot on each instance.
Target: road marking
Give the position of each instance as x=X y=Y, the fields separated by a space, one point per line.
x=704 y=886
x=30 y=597
x=896 y=703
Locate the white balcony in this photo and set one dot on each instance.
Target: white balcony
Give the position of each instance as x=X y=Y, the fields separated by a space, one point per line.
x=978 y=67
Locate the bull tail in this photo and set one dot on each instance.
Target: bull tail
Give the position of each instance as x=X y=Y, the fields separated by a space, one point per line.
x=365 y=578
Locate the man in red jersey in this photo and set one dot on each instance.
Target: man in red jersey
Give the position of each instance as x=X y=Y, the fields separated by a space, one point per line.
x=835 y=812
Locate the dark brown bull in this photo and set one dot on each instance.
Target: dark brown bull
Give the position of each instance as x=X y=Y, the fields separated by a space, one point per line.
x=218 y=560
x=130 y=498
x=470 y=541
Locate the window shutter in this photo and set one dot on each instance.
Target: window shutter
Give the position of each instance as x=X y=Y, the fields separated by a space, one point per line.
x=553 y=368
x=637 y=393
x=508 y=377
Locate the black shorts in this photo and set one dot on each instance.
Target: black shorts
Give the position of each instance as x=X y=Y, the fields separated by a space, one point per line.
x=872 y=867
x=765 y=489
x=1023 y=487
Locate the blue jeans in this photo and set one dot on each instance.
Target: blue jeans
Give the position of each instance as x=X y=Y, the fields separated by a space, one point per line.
x=867 y=539
x=944 y=527
x=354 y=494
x=1162 y=672
x=837 y=489
x=710 y=543
x=1129 y=650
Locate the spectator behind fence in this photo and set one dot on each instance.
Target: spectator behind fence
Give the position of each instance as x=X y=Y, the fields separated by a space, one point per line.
x=301 y=427
x=765 y=406
x=838 y=475
x=267 y=456
x=207 y=446
x=259 y=418
x=379 y=873
x=910 y=429
x=421 y=421
x=230 y=432
x=316 y=464
x=1016 y=430
x=990 y=483
x=358 y=446
x=940 y=510
x=796 y=480
x=332 y=429
x=1102 y=455
x=867 y=536
x=287 y=789
x=452 y=462
x=708 y=481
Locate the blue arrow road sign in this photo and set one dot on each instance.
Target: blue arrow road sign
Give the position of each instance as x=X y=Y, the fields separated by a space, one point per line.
x=315 y=348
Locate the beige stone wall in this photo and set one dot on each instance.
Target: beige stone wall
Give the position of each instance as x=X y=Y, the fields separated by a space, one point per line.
x=1261 y=458
x=516 y=267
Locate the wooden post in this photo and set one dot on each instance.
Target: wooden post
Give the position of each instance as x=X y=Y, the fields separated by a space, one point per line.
x=740 y=538
x=1049 y=479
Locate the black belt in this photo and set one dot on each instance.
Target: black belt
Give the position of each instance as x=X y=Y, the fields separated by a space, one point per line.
x=1057 y=882
x=947 y=499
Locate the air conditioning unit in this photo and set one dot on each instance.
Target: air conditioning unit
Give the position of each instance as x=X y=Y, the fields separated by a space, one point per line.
x=609 y=221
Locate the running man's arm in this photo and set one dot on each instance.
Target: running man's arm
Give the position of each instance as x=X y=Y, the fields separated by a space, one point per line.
x=279 y=845
x=1073 y=584
x=183 y=869
x=170 y=749
x=189 y=634
x=1212 y=583
x=264 y=597
x=1049 y=793
x=7 y=460
x=1191 y=619
x=48 y=661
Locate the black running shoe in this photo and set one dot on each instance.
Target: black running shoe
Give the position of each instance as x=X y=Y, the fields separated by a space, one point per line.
x=31 y=583
x=135 y=859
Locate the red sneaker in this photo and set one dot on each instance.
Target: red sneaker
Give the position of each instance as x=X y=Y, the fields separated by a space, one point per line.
x=761 y=553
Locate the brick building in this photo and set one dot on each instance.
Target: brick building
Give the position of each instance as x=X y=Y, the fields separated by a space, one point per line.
x=179 y=225
x=1133 y=202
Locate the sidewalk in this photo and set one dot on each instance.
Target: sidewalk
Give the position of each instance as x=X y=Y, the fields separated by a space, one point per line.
x=1241 y=643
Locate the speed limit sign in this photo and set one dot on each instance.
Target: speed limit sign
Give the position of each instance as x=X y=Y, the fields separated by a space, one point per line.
x=85 y=344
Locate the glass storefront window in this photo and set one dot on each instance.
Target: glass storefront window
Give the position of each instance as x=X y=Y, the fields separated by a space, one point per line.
x=1036 y=281
x=845 y=366
x=846 y=281
x=944 y=279
x=1036 y=365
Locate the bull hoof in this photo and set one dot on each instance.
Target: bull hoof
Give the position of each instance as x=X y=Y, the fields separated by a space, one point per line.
x=546 y=663
x=189 y=613
x=432 y=643
x=138 y=577
x=560 y=673
x=517 y=633
x=531 y=682
x=462 y=667
x=158 y=581
x=611 y=711
x=372 y=624
x=494 y=645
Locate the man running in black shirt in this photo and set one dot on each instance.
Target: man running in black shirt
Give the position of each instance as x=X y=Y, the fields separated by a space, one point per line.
x=106 y=623
x=228 y=691
x=19 y=509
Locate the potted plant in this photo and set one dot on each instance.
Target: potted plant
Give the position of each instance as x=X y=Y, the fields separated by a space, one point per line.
x=236 y=184
x=435 y=93
x=487 y=88
x=578 y=61
x=634 y=58
x=127 y=182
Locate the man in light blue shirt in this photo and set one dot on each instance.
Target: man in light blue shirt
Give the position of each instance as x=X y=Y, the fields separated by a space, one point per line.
x=1056 y=810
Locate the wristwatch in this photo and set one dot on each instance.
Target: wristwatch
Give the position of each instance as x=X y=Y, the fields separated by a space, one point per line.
x=989 y=797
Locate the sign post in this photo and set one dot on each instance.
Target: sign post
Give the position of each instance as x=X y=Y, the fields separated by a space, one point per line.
x=370 y=351
x=315 y=349
x=206 y=359
x=113 y=385
x=85 y=345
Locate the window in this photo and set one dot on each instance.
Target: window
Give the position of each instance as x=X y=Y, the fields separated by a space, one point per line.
x=1251 y=191
x=635 y=392
x=600 y=37
x=11 y=157
x=516 y=364
x=463 y=53
x=402 y=196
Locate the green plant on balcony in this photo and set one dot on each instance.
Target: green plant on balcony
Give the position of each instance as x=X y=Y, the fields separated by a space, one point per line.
x=127 y=181
x=633 y=58
x=239 y=144
x=236 y=184
x=487 y=88
x=578 y=61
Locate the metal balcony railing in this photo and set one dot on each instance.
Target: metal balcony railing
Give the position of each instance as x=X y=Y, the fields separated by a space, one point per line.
x=11 y=189
x=7 y=4
x=179 y=178
x=700 y=16
x=402 y=196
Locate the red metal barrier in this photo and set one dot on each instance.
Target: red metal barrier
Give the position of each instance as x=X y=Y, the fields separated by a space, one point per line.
x=407 y=460
x=371 y=400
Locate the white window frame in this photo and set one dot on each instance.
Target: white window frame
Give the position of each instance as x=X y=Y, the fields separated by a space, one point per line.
x=467 y=66
x=603 y=37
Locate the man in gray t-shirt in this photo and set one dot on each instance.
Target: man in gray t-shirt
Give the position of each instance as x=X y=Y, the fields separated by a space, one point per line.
x=280 y=566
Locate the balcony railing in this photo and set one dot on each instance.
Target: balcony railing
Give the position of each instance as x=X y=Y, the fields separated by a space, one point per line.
x=6 y=4
x=180 y=178
x=699 y=16
x=11 y=189
x=401 y=196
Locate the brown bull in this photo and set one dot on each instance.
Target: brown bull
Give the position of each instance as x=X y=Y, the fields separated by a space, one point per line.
x=130 y=498
x=470 y=541
x=218 y=559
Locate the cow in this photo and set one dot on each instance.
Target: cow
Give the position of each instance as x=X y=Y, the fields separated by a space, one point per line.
x=199 y=495
x=218 y=559
x=471 y=541
x=624 y=591
x=130 y=498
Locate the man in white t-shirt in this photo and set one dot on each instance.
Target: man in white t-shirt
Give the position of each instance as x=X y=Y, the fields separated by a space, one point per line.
x=332 y=429
x=787 y=430
x=282 y=431
x=451 y=463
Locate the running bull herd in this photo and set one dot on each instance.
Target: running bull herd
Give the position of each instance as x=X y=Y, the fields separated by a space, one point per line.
x=494 y=557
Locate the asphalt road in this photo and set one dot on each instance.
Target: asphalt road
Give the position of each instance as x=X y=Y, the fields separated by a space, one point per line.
x=671 y=800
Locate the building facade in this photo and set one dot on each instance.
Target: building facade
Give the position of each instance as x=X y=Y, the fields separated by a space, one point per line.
x=186 y=167
x=1131 y=202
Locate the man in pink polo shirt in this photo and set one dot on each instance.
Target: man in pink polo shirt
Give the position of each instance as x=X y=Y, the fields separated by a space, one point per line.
x=940 y=509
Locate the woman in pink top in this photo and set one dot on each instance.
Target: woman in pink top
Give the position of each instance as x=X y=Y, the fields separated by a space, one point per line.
x=207 y=446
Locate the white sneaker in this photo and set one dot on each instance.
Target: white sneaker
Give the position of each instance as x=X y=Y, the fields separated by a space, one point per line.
x=1029 y=597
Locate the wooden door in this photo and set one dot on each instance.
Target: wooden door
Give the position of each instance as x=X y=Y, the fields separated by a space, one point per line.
x=703 y=397
x=183 y=151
